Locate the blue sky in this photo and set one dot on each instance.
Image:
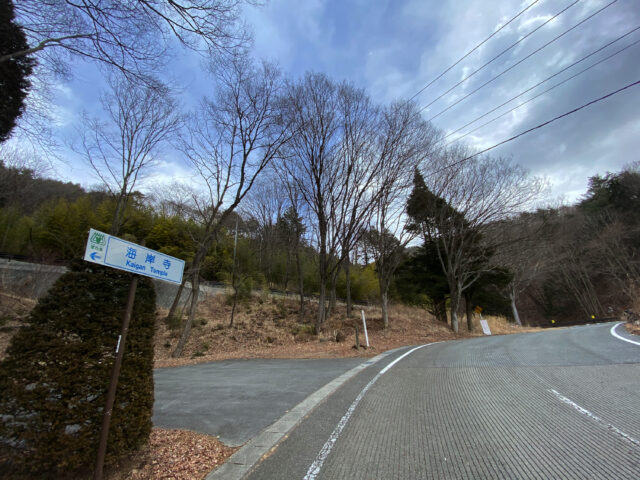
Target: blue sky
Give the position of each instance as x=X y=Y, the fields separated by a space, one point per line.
x=394 y=48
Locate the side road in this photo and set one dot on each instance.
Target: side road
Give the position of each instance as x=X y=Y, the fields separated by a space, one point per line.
x=237 y=399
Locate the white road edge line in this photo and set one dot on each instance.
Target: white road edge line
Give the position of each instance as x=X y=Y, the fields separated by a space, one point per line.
x=316 y=466
x=586 y=412
x=613 y=332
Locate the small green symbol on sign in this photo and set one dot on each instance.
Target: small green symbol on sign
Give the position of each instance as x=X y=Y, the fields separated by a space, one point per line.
x=98 y=238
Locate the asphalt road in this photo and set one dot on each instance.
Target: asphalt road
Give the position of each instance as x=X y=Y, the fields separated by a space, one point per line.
x=236 y=399
x=554 y=404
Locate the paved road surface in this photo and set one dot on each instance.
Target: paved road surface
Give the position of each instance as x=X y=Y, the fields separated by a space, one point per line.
x=236 y=399
x=554 y=404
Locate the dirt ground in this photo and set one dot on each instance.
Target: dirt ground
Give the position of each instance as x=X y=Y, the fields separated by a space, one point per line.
x=271 y=328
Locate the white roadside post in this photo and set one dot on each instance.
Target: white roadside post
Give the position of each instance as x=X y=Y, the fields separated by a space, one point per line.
x=110 y=251
x=485 y=326
x=364 y=325
x=483 y=323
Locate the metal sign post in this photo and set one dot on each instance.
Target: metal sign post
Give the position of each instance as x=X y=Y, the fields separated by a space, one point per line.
x=111 y=394
x=105 y=249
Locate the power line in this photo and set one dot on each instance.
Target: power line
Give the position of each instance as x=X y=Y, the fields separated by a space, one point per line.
x=473 y=50
x=546 y=80
x=499 y=55
x=522 y=60
x=538 y=126
x=543 y=92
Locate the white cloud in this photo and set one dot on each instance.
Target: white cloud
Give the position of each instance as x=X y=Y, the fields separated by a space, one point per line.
x=394 y=48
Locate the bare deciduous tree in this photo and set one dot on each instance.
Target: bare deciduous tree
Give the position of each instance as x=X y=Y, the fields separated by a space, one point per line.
x=460 y=200
x=121 y=150
x=131 y=36
x=522 y=251
x=357 y=188
x=404 y=141
x=265 y=204
x=312 y=163
x=231 y=142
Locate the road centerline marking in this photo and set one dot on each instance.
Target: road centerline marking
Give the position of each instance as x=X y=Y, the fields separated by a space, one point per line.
x=316 y=466
x=617 y=335
x=595 y=418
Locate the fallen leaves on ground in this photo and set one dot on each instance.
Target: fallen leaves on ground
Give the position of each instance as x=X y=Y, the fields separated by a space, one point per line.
x=175 y=455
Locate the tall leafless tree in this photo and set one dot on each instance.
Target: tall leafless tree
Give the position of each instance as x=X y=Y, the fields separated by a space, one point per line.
x=357 y=188
x=265 y=204
x=466 y=196
x=312 y=164
x=231 y=141
x=523 y=252
x=122 y=149
x=404 y=142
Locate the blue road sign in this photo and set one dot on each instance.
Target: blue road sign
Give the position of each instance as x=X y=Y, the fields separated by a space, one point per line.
x=105 y=249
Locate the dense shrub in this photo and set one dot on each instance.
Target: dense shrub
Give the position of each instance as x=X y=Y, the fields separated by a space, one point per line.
x=57 y=370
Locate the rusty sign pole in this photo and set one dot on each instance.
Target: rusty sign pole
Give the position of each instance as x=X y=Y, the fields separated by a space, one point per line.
x=111 y=395
x=114 y=252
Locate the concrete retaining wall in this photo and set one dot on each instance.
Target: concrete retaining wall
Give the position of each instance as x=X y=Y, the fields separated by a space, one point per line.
x=32 y=280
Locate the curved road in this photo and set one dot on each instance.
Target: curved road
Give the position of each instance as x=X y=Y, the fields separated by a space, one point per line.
x=555 y=404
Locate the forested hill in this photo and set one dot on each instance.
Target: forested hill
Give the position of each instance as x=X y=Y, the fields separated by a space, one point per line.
x=560 y=264
x=26 y=191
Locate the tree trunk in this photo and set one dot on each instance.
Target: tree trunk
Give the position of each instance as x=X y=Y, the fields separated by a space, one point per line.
x=384 y=297
x=442 y=310
x=121 y=204
x=322 y=267
x=300 y=283
x=455 y=305
x=286 y=270
x=347 y=273
x=383 y=285
x=176 y=300
x=332 y=293
x=195 y=286
x=194 y=273
x=321 y=306
x=514 y=309
x=233 y=276
x=469 y=311
x=233 y=308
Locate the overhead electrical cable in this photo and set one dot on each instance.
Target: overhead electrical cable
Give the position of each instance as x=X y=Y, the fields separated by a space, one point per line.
x=552 y=76
x=543 y=92
x=570 y=112
x=521 y=61
x=499 y=55
x=473 y=50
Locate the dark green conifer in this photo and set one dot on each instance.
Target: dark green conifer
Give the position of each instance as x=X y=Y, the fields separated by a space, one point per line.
x=57 y=370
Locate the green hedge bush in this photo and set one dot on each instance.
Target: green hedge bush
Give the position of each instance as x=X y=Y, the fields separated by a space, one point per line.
x=54 y=380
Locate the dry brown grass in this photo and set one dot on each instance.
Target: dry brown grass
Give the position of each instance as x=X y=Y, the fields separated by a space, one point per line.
x=270 y=328
x=632 y=328
x=499 y=326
